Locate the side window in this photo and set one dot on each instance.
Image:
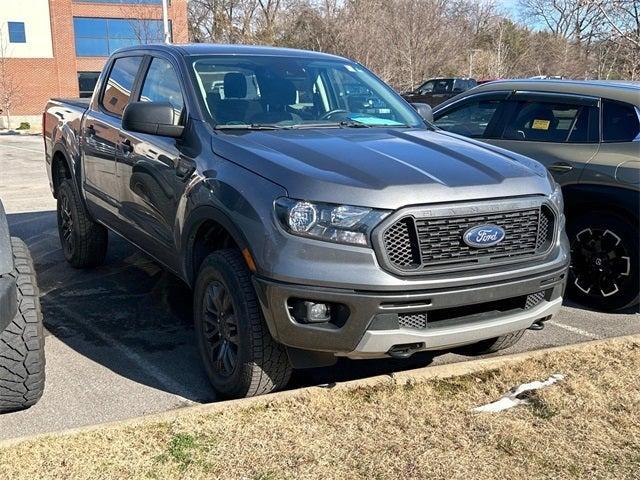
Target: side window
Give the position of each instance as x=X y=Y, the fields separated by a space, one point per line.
x=548 y=122
x=471 y=119
x=619 y=122
x=119 y=84
x=161 y=85
x=426 y=87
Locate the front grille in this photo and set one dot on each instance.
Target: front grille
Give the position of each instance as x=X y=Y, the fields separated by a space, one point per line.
x=425 y=319
x=418 y=244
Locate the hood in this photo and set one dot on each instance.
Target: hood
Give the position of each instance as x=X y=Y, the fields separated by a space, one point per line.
x=382 y=168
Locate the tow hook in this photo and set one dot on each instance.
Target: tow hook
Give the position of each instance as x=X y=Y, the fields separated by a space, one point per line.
x=539 y=324
x=404 y=350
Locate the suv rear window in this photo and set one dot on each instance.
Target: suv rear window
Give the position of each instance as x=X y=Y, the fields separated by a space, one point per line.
x=619 y=122
x=119 y=84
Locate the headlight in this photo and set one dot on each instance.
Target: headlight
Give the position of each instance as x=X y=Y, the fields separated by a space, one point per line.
x=556 y=198
x=328 y=222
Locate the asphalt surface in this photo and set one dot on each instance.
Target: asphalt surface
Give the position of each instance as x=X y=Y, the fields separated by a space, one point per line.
x=119 y=338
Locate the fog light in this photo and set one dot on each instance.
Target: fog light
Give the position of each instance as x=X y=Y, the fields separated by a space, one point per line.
x=310 y=312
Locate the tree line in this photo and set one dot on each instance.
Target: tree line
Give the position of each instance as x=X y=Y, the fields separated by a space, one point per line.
x=406 y=41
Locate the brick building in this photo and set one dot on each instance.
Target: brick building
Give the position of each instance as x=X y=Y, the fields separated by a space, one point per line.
x=56 y=48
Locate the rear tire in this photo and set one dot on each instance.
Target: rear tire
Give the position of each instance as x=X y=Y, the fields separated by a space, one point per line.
x=22 y=362
x=605 y=258
x=492 y=345
x=84 y=242
x=239 y=354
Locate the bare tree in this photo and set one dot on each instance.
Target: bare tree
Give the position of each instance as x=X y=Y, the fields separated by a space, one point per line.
x=10 y=91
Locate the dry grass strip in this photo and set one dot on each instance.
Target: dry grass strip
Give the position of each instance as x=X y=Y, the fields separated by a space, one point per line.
x=588 y=426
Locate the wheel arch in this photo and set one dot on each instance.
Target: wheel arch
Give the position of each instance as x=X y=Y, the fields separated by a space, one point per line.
x=583 y=199
x=61 y=168
x=208 y=229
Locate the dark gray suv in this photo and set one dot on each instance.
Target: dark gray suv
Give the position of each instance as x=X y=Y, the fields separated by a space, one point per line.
x=587 y=134
x=312 y=210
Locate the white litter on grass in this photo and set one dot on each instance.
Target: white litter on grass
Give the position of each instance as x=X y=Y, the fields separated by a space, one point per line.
x=517 y=396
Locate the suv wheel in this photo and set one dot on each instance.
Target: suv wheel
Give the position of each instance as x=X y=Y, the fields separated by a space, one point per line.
x=604 y=262
x=84 y=242
x=240 y=356
x=22 y=342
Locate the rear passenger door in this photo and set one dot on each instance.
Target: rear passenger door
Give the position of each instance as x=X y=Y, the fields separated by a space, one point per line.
x=619 y=154
x=560 y=131
x=100 y=134
x=152 y=167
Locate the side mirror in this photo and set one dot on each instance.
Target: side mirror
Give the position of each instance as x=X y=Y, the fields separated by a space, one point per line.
x=152 y=118
x=424 y=111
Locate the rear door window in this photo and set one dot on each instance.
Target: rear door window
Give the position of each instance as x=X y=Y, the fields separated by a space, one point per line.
x=619 y=122
x=471 y=119
x=548 y=122
x=117 y=92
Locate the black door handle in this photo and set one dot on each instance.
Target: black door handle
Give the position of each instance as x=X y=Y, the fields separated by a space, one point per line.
x=91 y=131
x=560 y=167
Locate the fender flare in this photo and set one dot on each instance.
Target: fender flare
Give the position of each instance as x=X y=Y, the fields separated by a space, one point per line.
x=584 y=197
x=194 y=221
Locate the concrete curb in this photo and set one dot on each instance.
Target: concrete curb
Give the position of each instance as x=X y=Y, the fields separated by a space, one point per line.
x=400 y=378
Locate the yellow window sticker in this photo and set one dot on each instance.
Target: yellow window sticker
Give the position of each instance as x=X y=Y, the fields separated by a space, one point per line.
x=541 y=124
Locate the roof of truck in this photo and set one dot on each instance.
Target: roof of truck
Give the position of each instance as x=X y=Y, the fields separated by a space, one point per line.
x=223 y=49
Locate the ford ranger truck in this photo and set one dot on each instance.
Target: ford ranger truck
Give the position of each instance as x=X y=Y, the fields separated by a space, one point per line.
x=314 y=213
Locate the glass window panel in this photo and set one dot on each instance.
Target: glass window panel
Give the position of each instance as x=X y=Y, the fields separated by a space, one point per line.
x=619 y=122
x=542 y=122
x=471 y=119
x=16 y=32
x=92 y=47
x=120 y=83
x=125 y=1
x=87 y=83
x=90 y=27
x=122 y=28
x=162 y=85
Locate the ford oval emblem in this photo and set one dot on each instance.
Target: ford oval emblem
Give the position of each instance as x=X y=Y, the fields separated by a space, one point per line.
x=483 y=236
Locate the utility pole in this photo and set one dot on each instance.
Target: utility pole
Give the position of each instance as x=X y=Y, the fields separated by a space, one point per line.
x=165 y=21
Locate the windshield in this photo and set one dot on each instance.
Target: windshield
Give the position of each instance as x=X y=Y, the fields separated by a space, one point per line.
x=288 y=92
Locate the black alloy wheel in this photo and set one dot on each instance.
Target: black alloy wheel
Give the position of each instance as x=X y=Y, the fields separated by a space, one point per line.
x=604 y=262
x=220 y=327
x=66 y=226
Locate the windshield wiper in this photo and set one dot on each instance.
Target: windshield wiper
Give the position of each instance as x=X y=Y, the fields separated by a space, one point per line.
x=245 y=126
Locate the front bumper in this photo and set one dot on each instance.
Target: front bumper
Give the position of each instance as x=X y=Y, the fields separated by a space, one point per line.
x=464 y=315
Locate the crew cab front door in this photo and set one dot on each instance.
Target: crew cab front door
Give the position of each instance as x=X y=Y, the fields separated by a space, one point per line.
x=152 y=168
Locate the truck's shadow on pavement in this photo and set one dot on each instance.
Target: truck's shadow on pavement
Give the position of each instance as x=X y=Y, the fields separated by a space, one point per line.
x=134 y=318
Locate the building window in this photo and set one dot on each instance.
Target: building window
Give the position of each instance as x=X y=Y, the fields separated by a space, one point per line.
x=16 y=32
x=147 y=2
x=100 y=37
x=87 y=82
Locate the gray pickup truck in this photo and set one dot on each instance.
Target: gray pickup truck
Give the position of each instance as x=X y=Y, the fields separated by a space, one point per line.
x=314 y=212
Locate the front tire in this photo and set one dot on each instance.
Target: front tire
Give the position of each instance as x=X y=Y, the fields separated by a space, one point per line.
x=604 y=262
x=84 y=242
x=22 y=362
x=240 y=356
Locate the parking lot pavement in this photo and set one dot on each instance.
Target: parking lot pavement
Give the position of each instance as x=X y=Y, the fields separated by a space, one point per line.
x=119 y=338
